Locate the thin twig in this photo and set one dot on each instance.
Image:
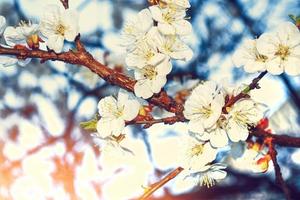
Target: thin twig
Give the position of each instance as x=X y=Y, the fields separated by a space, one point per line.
x=166 y=120
x=160 y=183
x=278 y=175
x=244 y=93
x=65 y=3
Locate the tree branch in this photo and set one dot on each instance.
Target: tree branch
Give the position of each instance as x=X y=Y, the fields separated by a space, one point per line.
x=160 y=183
x=281 y=140
x=166 y=120
x=279 y=179
x=84 y=58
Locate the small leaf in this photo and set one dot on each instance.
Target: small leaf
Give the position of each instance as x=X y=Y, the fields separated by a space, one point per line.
x=90 y=125
x=293 y=17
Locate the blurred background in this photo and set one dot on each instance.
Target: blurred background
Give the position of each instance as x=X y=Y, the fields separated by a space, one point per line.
x=44 y=154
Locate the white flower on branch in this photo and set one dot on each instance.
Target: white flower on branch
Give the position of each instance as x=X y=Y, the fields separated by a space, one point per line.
x=145 y=54
x=203 y=107
x=7 y=60
x=179 y=3
x=171 y=20
x=136 y=28
x=111 y=146
x=2 y=24
x=282 y=47
x=207 y=175
x=151 y=78
x=115 y=112
x=216 y=134
x=25 y=34
x=170 y=45
x=210 y=174
x=58 y=25
x=196 y=154
x=243 y=114
x=249 y=57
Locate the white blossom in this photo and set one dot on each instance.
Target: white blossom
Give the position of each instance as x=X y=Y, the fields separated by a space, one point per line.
x=203 y=107
x=151 y=78
x=21 y=34
x=144 y=54
x=207 y=176
x=115 y=112
x=7 y=60
x=111 y=146
x=282 y=47
x=243 y=114
x=136 y=28
x=58 y=25
x=179 y=3
x=2 y=24
x=171 y=20
x=210 y=174
x=216 y=134
x=249 y=57
x=170 y=45
x=196 y=154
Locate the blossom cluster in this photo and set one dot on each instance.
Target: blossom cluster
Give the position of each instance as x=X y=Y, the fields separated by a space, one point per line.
x=56 y=25
x=213 y=125
x=152 y=38
x=276 y=52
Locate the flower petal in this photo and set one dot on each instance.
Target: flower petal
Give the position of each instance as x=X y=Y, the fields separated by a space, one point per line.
x=182 y=27
x=107 y=106
x=104 y=127
x=13 y=36
x=56 y=43
x=218 y=138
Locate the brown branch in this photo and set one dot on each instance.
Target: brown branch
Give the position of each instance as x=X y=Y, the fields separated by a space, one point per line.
x=281 y=140
x=65 y=3
x=278 y=175
x=160 y=183
x=166 y=120
x=84 y=58
x=244 y=93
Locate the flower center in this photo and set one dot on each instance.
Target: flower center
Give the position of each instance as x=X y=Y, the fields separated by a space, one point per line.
x=241 y=119
x=119 y=112
x=197 y=150
x=261 y=58
x=149 y=72
x=149 y=55
x=283 y=52
x=207 y=181
x=169 y=16
x=60 y=29
x=205 y=111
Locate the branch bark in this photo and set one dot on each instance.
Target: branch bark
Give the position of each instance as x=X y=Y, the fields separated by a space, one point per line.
x=278 y=175
x=281 y=140
x=84 y=58
x=154 y=187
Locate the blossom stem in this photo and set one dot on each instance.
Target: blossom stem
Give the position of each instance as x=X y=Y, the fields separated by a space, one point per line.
x=149 y=191
x=244 y=93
